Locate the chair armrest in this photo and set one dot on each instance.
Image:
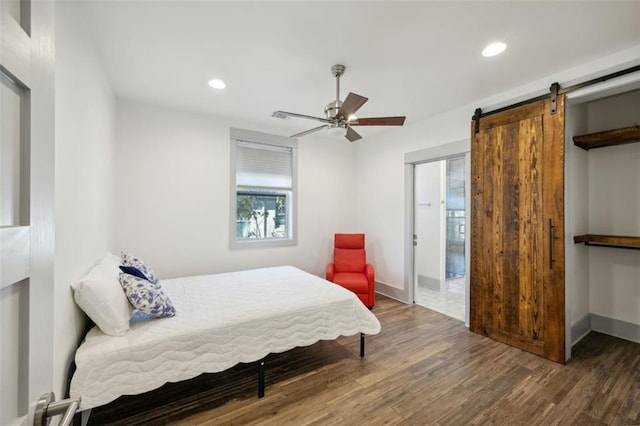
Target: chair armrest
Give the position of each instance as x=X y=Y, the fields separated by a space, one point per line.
x=370 y=273
x=330 y=271
x=371 y=278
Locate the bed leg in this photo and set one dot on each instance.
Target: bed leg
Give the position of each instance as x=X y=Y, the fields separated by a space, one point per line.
x=361 y=345
x=261 y=379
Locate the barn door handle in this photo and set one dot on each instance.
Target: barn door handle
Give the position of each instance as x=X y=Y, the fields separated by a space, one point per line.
x=551 y=260
x=47 y=408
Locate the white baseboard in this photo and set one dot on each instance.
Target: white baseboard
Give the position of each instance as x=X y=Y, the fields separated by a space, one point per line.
x=392 y=292
x=611 y=326
x=622 y=329
x=429 y=282
x=580 y=329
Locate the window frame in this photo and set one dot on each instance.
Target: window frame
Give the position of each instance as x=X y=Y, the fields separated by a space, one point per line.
x=241 y=135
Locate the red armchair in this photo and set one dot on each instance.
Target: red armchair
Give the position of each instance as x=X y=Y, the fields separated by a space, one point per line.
x=350 y=268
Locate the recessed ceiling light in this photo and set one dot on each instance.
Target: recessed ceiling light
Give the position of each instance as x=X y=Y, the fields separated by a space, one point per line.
x=217 y=84
x=494 y=49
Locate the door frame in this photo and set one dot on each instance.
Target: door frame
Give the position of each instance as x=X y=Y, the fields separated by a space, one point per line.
x=436 y=153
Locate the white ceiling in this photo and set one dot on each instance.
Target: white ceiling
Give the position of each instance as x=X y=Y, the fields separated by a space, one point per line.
x=409 y=58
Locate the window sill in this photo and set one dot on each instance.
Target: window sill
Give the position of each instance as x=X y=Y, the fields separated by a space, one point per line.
x=265 y=243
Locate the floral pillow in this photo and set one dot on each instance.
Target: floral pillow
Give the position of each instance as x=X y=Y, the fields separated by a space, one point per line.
x=146 y=296
x=130 y=260
x=132 y=270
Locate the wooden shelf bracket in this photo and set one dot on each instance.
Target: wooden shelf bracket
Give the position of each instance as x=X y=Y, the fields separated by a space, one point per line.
x=608 y=241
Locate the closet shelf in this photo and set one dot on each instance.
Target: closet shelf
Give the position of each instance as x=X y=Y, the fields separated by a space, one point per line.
x=608 y=138
x=608 y=241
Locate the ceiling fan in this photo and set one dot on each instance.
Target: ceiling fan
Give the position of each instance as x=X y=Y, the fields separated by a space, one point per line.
x=340 y=115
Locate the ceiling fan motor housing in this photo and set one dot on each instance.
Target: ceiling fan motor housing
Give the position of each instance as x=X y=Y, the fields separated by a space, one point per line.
x=332 y=109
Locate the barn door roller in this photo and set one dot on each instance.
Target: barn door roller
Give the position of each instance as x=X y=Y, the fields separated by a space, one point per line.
x=554 y=97
x=476 y=118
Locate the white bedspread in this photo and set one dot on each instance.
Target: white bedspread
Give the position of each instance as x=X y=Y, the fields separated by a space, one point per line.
x=221 y=320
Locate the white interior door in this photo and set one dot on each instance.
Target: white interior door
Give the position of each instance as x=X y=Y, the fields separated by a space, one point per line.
x=429 y=228
x=26 y=206
x=413 y=197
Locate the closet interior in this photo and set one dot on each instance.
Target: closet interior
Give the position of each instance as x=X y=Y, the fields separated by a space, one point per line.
x=602 y=213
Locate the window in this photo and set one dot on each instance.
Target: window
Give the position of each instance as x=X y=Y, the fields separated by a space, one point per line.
x=263 y=189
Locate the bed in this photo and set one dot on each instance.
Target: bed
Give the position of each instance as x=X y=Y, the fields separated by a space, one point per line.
x=221 y=320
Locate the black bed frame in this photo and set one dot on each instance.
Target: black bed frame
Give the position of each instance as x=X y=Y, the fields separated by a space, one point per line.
x=261 y=368
x=82 y=417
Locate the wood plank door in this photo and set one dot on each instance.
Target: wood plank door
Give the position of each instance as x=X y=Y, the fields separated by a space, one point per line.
x=517 y=228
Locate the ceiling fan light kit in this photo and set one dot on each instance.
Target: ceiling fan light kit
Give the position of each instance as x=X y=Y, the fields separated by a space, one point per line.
x=340 y=116
x=336 y=131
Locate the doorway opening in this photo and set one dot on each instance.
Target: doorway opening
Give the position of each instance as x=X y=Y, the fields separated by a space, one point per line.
x=440 y=236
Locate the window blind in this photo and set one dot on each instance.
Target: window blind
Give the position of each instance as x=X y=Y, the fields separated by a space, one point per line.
x=263 y=165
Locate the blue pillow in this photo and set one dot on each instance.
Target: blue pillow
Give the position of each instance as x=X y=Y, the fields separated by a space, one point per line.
x=146 y=296
x=132 y=270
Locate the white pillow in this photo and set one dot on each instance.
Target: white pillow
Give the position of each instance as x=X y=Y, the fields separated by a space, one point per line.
x=101 y=297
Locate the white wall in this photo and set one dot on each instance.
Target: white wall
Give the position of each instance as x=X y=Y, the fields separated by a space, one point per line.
x=380 y=180
x=85 y=122
x=172 y=194
x=576 y=223
x=614 y=209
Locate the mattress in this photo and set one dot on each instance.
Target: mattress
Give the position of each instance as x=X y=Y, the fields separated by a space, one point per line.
x=221 y=320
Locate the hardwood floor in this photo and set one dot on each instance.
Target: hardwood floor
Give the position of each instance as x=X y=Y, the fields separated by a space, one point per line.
x=423 y=368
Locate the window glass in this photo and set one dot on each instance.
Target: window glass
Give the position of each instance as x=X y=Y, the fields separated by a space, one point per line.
x=261 y=215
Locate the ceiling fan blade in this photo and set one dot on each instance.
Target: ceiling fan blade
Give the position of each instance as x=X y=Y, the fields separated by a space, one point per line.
x=378 y=121
x=350 y=105
x=306 y=132
x=352 y=135
x=285 y=114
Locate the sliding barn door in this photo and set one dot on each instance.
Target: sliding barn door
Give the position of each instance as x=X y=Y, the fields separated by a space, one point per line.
x=517 y=228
